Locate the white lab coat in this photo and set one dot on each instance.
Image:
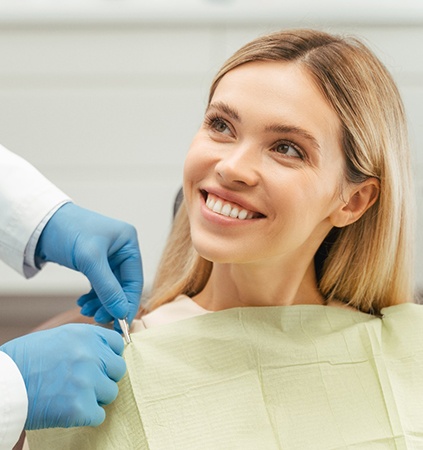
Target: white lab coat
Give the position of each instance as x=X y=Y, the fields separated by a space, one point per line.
x=26 y=198
x=13 y=403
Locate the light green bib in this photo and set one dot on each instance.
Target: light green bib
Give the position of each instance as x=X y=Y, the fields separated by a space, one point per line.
x=296 y=377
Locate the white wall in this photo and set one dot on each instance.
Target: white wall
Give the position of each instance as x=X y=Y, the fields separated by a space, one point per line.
x=105 y=104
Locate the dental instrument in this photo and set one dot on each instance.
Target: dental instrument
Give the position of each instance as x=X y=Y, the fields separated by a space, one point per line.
x=125 y=330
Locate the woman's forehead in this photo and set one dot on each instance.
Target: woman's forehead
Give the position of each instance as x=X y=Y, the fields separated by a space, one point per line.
x=278 y=94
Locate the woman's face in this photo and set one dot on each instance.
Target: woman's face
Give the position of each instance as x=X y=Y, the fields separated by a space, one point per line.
x=264 y=173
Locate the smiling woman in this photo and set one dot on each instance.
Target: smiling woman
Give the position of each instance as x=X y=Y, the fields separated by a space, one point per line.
x=334 y=114
x=293 y=243
x=264 y=159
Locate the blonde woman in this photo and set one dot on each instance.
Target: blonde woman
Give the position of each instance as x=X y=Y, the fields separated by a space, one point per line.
x=282 y=315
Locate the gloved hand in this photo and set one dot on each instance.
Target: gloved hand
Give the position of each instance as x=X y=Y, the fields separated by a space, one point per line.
x=106 y=251
x=69 y=372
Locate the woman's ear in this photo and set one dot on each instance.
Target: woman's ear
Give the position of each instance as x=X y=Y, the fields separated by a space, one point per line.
x=360 y=198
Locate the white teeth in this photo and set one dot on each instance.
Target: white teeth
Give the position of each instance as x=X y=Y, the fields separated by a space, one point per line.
x=234 y=213
x=242 y=214
x=217 y=206
x=227 y=210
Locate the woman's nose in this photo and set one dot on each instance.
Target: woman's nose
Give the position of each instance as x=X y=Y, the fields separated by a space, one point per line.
x=239 y=165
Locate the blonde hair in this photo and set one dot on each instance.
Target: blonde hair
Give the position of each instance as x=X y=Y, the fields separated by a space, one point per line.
x=368 y=264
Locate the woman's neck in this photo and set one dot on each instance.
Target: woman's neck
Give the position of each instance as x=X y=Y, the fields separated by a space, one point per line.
x=232 y=285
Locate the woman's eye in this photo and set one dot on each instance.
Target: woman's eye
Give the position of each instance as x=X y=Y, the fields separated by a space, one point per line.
x=288 y=149
x=219 y=125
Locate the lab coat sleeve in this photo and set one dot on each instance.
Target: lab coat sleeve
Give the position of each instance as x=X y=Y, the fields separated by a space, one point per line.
x=26 y=198
x=13 y=403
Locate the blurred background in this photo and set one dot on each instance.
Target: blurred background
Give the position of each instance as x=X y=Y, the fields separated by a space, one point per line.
x=104 y=96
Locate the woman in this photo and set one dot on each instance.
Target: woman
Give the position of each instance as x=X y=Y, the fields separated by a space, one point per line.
x=296 y=232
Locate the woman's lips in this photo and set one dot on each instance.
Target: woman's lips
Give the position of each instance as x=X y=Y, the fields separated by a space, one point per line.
x=229 y=209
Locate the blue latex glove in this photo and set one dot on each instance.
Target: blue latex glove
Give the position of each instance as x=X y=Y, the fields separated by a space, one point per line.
x=69 y=372
x=106 y=251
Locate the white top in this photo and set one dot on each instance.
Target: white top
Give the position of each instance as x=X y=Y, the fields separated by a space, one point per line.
x=27 y=201
x=181 y=308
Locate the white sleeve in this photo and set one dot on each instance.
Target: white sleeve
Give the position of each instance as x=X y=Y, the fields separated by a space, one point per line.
x=13 y=403
x=26 y=197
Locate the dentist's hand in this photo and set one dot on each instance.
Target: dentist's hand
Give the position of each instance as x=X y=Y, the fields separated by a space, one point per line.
x=69 y=373
x=106 y=251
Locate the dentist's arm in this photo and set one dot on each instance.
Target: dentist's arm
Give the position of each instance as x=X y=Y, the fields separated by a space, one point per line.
x=33 y=364
x=104 y=249
x=27 y=198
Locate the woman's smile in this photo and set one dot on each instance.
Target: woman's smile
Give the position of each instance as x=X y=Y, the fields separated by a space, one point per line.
x=228 y=208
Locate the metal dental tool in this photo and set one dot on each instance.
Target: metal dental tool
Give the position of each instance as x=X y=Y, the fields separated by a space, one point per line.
x=125 y=330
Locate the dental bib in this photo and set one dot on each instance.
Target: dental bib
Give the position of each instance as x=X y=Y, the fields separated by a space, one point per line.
x=295 y=377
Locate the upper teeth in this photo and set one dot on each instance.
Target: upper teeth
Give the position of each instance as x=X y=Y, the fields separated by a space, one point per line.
x=226 y=209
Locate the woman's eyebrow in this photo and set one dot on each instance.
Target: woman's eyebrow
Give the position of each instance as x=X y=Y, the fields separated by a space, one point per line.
x=292 y=129
x=225 y=108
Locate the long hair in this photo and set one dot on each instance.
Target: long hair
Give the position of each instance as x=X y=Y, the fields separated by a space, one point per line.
x=368 y=264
